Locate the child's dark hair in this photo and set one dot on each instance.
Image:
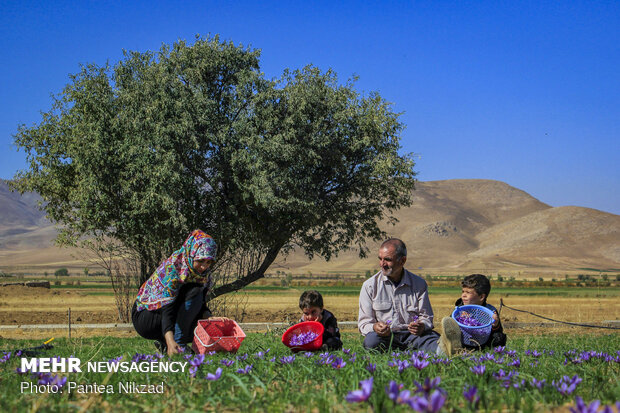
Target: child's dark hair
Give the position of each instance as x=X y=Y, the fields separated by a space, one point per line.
x=480 y=283
x=310 y=298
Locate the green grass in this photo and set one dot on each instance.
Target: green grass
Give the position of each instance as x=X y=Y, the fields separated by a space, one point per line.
x=305 y=384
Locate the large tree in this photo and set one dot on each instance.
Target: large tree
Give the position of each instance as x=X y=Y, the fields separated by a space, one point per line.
x=194 y=136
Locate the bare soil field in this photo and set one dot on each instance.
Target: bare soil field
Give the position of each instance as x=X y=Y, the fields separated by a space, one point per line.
x=27 y=305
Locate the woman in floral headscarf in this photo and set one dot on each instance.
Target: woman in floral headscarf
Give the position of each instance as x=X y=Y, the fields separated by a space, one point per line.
x=172 y=300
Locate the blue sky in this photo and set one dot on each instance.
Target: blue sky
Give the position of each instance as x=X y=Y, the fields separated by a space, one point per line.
x=525 y=92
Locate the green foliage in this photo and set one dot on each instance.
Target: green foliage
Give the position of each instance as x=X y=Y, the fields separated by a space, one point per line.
x=61 y=272
x=194 y=136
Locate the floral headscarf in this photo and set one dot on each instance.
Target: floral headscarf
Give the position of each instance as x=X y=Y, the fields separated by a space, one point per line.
x=164 y=285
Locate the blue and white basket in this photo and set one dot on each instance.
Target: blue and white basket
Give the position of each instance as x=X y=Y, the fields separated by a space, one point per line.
x=475 y=335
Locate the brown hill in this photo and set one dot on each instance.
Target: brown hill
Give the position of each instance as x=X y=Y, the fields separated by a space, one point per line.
x=452 y=226
x=458 y=226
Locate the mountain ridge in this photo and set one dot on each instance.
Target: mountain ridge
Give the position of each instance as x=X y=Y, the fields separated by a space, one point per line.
x=455 y=225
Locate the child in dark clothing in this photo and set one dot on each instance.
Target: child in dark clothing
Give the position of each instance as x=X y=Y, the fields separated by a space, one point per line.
x=475 y=290
x=311 y=304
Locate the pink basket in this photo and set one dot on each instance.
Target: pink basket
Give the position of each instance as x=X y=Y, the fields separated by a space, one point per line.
x=217 y=334
x=304 y=327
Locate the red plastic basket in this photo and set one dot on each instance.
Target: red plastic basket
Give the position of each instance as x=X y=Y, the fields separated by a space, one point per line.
x=217 y=334
x=304 y=327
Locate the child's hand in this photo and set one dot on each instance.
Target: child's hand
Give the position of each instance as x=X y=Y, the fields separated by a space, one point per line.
x=495 y=319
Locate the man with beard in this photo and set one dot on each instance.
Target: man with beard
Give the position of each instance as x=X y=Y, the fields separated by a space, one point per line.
x=395 y=311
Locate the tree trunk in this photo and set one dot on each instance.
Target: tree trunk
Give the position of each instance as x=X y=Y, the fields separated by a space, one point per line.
x=238 y=284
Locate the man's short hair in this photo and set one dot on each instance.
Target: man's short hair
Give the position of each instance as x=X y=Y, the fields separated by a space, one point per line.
x=479 y=282
x=399 y=246
x=311 y=298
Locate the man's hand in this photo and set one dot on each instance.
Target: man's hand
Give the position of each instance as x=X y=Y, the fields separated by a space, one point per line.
x=416 y=327
x=382 y=329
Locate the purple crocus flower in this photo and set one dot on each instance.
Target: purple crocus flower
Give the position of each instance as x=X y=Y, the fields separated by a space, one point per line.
x=478 y=369
x=580 y=406
x=246 y=369
x=428 y=385
x=115 y=360
x=197 y=360
x=338 y=363
x=393 y=390
x=287 y=359
x=59 y=381
x=302 y=338
x=308 y=354
x=362 y=395
x=567 y=385
x=432 y=404
x=402 y=365
x=419 y=364
x=346 y=351
x=471 y=394
x=371 y=367
x=227 y=362
x=45 y=378
x=216 y=376
x=539 y=384
x=5 y=357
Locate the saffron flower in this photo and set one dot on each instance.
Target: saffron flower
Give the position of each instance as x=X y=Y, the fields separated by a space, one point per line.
x=287 y=359
x=302 y=338
x=371 y=367
x=471 y=394
x=580 y=406
x=567 y=385
x=216 y=376
x=393 y=390
x=432 y=404
x=362 y=395
x=428 y=385
x=227 y=362
x=419 y=364
x=539 y=384
x=403 y=365
x=468 y=320
x=478 y=369
x=338 y=363
x=246 y=369
x=115 y=360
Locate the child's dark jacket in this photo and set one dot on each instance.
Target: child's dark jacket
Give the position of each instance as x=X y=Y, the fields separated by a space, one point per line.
x=331 y=335
x=497 y=337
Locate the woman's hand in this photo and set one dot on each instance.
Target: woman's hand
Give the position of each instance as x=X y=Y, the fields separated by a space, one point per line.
x=173 y=347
